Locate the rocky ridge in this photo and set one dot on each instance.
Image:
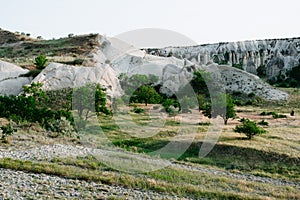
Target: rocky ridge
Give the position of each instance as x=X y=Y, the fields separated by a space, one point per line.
x=276 y=56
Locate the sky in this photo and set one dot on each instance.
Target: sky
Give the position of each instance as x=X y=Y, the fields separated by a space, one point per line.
x=201 y=21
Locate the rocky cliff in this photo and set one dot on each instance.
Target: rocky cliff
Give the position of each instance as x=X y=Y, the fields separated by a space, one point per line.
x=268 y=58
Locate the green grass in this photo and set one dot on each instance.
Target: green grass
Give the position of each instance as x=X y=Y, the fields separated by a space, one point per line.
x=230 y=153
x=247 y=160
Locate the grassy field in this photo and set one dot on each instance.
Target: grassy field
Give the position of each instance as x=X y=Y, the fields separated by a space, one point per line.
x=275 y=154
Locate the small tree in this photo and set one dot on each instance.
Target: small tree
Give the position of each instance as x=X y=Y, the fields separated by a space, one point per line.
x=199 y=82
x=186 y=103
x=90 y=98
x=249 y=128
x=40 y=61
x=230 y=111
x=220 y=107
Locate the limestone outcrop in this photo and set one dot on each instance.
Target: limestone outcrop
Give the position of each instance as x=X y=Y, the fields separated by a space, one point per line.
x=10 y=82
x=235 y=80
x=59 y=76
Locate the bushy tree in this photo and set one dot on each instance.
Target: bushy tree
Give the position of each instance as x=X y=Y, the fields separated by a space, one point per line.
x=249 y=128
x=40 y=61
x=146 y=94
x=31 y=106
x=130 y=84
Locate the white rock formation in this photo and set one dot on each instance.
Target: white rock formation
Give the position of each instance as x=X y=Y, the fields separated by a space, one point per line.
x=10 y=82
x=58 y=76
x=277 y=55
x=125 y=58
x=236 y=80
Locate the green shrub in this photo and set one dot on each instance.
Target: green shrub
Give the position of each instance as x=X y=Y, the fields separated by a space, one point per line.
x=138 y=110
x=263 y=123
x=224 y=105
x=264 y=113
x=276 y=116
x=63 y=127
x=32 y=106
x=40 y=61
x=6 y=131
x=171 y=106
x=204 y=123
x=249 y=128
x=238 y=66
x=251 y=95
x=237 y=102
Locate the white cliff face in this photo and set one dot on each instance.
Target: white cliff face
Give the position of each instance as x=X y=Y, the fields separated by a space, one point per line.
x=58 y=76
x=235 y=80
x=278 y=55
x=10 y=82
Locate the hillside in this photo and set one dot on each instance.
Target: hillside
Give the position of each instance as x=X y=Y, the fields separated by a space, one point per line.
x=7 y=37
x=22 y=50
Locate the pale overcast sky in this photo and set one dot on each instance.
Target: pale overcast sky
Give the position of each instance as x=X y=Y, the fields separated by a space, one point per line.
x=202 y=21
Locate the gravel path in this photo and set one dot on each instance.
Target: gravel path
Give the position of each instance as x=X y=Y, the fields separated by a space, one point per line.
x=20 y=184
x=58 y=150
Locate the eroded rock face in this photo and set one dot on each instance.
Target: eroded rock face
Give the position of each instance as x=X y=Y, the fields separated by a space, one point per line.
x=235 y=80
x=277 y=56
x=58 y=76
x=10 y=82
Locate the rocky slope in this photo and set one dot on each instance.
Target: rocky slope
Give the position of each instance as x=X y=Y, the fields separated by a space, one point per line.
x=275 y=56
x=235 y=80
